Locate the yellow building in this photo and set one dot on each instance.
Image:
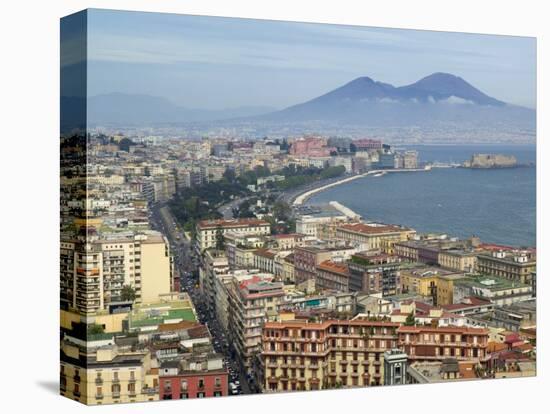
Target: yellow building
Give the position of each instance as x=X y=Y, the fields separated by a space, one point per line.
x=93 y=273
x=373 y=235
x=458 y=260
x=445 y=288
x=106 y=375
x=155 y=269
x=432 y=282
x=110 y=322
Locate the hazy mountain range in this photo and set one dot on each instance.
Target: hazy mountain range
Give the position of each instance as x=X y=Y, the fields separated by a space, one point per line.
x=120 y=108
x=437 y=99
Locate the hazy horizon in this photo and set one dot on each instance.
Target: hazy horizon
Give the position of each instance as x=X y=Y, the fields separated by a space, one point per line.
x=217 y=63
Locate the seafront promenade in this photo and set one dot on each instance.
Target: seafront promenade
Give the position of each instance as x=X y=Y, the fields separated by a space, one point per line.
x=301 y=198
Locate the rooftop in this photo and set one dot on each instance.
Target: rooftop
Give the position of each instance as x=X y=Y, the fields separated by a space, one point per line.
x=330 y=266
x=489 y=282
x=373 y=228
x=245 y=222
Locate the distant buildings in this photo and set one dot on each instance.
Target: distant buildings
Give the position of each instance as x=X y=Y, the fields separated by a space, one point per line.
x=310 y=146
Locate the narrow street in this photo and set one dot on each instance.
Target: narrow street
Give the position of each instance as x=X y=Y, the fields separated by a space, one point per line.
x=186 y=265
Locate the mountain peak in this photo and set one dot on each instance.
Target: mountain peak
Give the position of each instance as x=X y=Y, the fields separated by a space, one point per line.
x=361 y=79
x=445 y=85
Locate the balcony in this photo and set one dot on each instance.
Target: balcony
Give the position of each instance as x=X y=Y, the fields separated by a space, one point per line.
x=150 y=390
x=99 y=381
x=99 y=396
x=116 y=381
x=76 y=393
x=76 y=379
x=116 y=394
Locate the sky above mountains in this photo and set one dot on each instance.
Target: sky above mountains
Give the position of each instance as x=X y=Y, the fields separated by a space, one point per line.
x=217 y=63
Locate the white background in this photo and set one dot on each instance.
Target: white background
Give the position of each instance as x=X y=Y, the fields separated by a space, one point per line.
x=29 y=85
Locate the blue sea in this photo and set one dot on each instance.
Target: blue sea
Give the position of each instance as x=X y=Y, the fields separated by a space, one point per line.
x=498 y=205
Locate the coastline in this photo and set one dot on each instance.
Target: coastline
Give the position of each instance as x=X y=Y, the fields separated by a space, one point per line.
x=301 y=197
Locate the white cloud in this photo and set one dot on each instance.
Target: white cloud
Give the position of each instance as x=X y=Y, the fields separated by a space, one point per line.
x=455 y=100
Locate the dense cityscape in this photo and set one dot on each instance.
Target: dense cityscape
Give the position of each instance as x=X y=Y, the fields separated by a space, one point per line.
x=196 y=268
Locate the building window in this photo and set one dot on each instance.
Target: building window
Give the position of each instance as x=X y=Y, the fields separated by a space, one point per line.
x=184 y=384
x=217 y=382
x=201 y=395
x=201 y=383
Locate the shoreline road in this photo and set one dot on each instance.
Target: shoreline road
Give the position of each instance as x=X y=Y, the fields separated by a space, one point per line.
x=289 y=195
x=301 y=196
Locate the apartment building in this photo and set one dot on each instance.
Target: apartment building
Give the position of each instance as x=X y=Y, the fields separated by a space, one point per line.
x=208 y=230
x=332 y=275
x=424 y=343
x=307 y=258
x=311 y=356
x=498 y=290
x=517 y=265
x=373 y=272
x=199 y=374
x=425 y=280
x=106 y=374
x=264 y=260
x=252 y=302
x=320 y=224
x=215 y=263
x=373 y=235
x=458 y=260
x=95 y=269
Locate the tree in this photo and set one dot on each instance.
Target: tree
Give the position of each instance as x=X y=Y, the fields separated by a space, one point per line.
x=230 y=175
x=410 y=321
x=128 y=293
x=95 y=329
x=125 y=144
x=281 y=211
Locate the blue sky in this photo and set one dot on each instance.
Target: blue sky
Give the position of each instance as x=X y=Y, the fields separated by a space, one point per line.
x=216 y=63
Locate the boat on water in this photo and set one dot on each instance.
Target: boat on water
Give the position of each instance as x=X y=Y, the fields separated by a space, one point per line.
x=380 y=174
